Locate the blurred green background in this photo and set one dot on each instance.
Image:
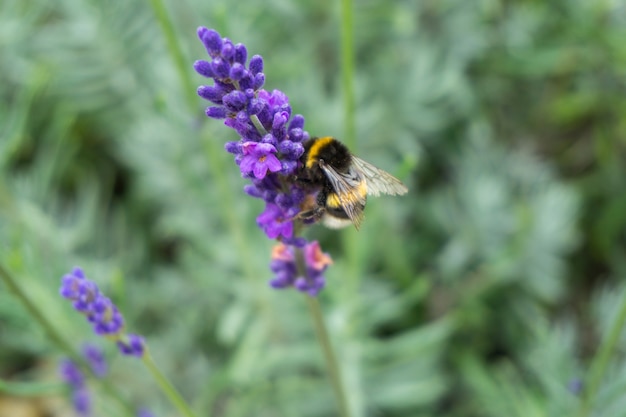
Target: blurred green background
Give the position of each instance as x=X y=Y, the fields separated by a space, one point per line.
x=485 y=291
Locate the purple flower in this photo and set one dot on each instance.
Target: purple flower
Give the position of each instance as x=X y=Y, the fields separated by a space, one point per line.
x=71 y=374
x=274 y=222
x=271 y=139
x=258 y=159
x=81 y=398
x=95 y=357
x=132 y=345
x=286 y=271
x=268 y=152
x=100 y=310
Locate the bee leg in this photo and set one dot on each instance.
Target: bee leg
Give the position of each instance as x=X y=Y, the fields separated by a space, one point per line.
x=312 y=215
x=314 y=209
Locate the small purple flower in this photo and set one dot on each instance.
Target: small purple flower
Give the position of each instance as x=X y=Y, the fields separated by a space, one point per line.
x=71 y=374
x=258 y=159
x=274 y=222
x=132 y=345
x=100 y=310
x=95 y=357
x=81 y=398
x=286 y=271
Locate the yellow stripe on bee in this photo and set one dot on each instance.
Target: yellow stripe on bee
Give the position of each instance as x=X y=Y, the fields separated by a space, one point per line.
x=352 y=197
x=332 y=201
x=315 y=148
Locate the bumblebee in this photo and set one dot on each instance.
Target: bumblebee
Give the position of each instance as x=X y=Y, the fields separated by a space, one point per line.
x=344 y=181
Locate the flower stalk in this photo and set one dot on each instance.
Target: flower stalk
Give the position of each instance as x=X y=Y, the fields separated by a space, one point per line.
x=332 y=365
x=55 y=336
x=601 y=360
x=166 y=387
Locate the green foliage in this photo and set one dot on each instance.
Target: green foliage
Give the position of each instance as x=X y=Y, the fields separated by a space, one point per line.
x=485 y=291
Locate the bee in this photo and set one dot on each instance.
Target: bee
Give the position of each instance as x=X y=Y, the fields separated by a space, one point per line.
x=344 y=181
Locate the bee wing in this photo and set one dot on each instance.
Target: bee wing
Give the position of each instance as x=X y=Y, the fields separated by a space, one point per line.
x=347 y=186
x=379 y=181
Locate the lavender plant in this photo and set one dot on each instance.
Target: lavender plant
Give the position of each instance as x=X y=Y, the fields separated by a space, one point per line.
x=100 y=311
x=107 y=321
x=74 y=377
x=267 y=154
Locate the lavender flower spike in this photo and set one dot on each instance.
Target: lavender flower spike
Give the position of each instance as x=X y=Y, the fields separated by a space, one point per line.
x=271 y=139
x=81 y=397
x=100 y=311
x=268 y=154
x=72 y=375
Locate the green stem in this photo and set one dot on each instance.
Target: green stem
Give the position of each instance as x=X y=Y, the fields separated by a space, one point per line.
x=182 y=66
x=56 y=337
x=166 y=387
x=257 y=124
x=329 y=356
x=50 y=331
x=347 y=72
x=600 y=362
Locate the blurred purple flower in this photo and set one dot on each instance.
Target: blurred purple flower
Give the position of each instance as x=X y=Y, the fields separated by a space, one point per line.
x=100 y=311
x=96 y=360
x=284 y=265
x=132 y=345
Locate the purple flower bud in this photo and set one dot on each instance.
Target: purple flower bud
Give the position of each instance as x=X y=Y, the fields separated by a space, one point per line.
x=203 y=67
x=70 y=373
x=216 y=112
x=273 y=222
x=298 y=242
x=256 y=64
x=228 y=50
x=212 y=93
x=281 y=280
x=235 y=101
x=95 y=357
x=297 y=122
x=246 y=81
x=211 y=39
x=241 y=53
x=253 y=191
x=269 y=138
x=233 y=147
x=220 y=67
x=280 y=120
x=259 y=81
x=255 y=107
x=81 y=399
x=132 y=345
x=291 y=150
x=295 y=135
x=289 y=167
x=301 y=284
x=237 y=71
